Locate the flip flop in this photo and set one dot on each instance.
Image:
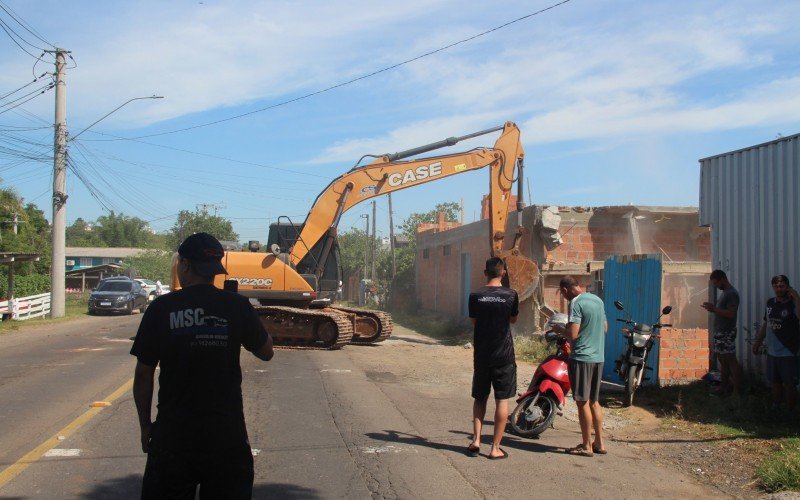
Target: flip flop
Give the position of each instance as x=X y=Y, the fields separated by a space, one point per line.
x=580 y=451
x=599 y=451
x=501 y=457
x=473 y=451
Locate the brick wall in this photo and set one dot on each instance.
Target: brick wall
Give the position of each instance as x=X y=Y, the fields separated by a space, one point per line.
x=683 y=355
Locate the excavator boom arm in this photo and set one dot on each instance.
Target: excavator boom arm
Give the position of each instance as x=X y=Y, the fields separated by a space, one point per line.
x=388 y=174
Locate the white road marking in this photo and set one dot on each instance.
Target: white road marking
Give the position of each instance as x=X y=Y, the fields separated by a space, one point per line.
x=334 y=370
x=374 y=450
x=63 y=452
x=86 y=349
x=127 y=341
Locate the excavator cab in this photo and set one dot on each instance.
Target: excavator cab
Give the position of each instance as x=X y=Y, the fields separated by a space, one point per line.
x=285 y=234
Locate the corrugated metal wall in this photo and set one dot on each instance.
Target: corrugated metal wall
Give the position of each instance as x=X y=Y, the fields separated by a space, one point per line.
x=751 y=200
x=636 y=282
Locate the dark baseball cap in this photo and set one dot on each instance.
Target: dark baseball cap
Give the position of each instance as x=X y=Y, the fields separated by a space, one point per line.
x=205 y=252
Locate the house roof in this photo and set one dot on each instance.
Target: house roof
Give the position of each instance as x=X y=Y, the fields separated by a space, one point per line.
x=118 y=252
x=107 y=269
x=6 y=257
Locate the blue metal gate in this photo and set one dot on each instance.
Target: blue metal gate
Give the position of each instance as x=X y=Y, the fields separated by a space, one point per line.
x=466 y=283
x=636 y=282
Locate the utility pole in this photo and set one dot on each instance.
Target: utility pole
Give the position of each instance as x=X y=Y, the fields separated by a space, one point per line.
x=372 y=241
x=391 y=237
x=366 y=242
x=58 y=264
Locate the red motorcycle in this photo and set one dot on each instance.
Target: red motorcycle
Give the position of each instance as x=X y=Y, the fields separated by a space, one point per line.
x=538 y=406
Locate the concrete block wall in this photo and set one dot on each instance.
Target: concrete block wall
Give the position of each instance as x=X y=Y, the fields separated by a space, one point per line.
x=683 y=355
x=439 y=275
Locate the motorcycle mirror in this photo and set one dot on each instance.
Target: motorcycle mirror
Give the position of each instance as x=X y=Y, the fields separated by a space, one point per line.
x=666 y=310
x=619 y=305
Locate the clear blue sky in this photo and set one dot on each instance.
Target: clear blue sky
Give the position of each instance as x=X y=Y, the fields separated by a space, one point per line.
x=616 y=100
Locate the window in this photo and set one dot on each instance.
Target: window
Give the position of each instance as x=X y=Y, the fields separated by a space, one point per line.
x=86 y=262
x=446 y=250
x=426 y=253
x=108 y=260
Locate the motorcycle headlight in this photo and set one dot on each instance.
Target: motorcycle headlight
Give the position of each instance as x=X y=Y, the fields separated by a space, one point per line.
x=640 y=340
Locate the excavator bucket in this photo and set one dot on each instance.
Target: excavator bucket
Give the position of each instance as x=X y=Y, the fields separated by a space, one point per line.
x=523 y=274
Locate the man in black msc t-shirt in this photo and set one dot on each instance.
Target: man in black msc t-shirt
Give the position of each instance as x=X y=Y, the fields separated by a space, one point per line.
x=492 y=309
x=195 y=334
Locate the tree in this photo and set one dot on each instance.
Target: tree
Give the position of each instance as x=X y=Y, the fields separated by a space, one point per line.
x=24 y=229
x=451 y=210
x=123 y=231
x=82 y=234
x=32 y=231
x=198 y=221
x=151 y=264
x=352 y=247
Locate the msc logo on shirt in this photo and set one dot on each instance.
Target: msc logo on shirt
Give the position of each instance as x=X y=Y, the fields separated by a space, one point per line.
x=193 y=317
x=491 y=299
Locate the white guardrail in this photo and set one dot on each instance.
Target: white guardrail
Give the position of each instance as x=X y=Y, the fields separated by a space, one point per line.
x=24 y=308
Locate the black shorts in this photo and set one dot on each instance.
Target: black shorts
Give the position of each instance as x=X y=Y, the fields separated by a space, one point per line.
x=502 y=378
x=782 y=370
x=585 y=379
x=220 y=474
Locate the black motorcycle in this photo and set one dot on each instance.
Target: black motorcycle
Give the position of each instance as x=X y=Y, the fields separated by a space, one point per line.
x=632 y=363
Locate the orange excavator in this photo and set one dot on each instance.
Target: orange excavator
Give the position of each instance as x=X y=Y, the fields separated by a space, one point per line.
x=295 y=283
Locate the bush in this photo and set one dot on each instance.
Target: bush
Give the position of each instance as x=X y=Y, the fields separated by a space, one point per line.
x=781 y=470
x=26 y=285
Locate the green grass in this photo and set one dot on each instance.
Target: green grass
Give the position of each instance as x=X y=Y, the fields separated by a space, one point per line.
x=532 y=349
x=459 y=332
x=746 y=419
x=781 y=469
x=731 y=416
x=75 y=305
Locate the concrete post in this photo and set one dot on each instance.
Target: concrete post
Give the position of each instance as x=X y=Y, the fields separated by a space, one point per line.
x=58 y=264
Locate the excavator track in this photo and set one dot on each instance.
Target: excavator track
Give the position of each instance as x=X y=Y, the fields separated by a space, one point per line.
x=370 y=326
x=306 y=328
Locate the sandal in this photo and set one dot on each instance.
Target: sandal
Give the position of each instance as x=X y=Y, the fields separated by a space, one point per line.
x=504 y=455
x=580 y=451
x=599 y=451
x=473 y=451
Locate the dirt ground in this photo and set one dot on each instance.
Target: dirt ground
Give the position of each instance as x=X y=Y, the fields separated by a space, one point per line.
x=722 y=463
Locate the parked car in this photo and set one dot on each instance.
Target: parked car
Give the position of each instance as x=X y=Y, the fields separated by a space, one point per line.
x=149 y=286
x=121 y=294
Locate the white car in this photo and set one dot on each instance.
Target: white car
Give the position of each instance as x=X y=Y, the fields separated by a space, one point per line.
x=149 y=286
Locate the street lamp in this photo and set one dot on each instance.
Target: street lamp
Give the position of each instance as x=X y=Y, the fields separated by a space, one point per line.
x=58 y=263
x=112 y=112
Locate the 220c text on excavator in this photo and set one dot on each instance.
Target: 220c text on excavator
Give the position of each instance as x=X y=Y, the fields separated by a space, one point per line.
x=295 y=284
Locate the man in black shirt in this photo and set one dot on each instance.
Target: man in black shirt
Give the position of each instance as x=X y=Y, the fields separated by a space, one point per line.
x=492 y=309
x=195 y=334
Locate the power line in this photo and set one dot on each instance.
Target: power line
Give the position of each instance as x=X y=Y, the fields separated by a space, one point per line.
x=362 y=77
x=217 y=157
x=36 y=79
x=48 y=87
x=10 y=30
x=41 y=89
x=16 y=17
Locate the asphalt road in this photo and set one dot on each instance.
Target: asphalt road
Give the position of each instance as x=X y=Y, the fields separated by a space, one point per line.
x=385 y=421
